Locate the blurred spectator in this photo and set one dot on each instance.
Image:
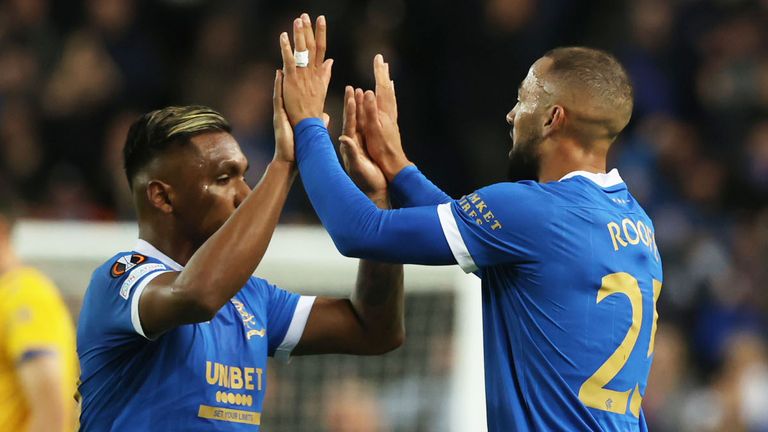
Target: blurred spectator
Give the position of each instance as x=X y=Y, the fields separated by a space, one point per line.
x=422 y=398
x=215 y=62
x=248 y=107
x=737 y=397
x=351 y=406
x=668 y=383
x=113 y=172
x=21 y=154
x=756 y=156
x=85 y=79
x=19 y=70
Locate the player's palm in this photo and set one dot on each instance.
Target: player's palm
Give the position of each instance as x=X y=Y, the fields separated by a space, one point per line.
x=305 y=86
x=361 y=169
x=382 y=134
x=284 y=144
x=382 y=138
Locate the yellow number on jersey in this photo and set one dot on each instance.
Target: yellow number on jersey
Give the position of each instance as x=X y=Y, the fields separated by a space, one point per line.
x=593 y=392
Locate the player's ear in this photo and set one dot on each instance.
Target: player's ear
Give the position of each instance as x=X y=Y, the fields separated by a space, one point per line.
x=554 y=120
x=159 y=195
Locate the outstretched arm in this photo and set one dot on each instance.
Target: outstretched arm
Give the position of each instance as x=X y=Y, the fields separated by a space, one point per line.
x=370 y=321
x=358 y=228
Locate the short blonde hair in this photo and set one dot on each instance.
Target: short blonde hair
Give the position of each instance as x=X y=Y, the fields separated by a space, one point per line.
x=154 y=131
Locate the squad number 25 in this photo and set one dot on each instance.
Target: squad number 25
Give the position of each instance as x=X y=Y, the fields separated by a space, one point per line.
x=593 y=392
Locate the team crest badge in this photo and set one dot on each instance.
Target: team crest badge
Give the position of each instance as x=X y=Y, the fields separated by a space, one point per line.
x=125 y=263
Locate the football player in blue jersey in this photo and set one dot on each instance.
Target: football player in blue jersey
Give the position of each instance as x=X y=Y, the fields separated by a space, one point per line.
x=569 y=265
x=174 y=334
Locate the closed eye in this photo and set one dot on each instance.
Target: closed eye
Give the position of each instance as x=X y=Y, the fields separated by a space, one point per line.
x=223 y=179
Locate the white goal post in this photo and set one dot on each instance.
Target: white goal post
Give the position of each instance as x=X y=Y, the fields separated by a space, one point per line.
x=301 y=259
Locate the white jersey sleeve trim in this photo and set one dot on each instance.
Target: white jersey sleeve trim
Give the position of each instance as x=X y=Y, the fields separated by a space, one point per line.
x=295 y=329
x=455 y=241
x=135 y=319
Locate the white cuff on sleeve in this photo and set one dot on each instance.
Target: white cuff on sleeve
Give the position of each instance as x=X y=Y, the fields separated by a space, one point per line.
x=453 y=236
x=135 y=320
x=295 y=329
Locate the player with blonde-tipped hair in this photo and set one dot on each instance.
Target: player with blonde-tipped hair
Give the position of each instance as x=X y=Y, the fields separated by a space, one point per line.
x=174 y=334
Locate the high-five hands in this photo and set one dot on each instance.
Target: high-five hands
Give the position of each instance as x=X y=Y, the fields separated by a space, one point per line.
x=305 y=87
x=370 y=147
x=376 y=127
x=358 y=164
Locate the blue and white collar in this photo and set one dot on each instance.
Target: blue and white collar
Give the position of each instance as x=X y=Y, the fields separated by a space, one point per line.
x=145 y=248
x=607 y=180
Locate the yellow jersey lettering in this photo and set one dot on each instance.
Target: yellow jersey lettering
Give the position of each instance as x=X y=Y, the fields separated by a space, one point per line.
x=229 y=415
x=235 y=378
x=223 y=375
x=632 y=233
x=628 y=223
x=249 y=378
x=259 y=333
x=613 y=229
x=642 y=231
x=211 y=372
x=474 y=207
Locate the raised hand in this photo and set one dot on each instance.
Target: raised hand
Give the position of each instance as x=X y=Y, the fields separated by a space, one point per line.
x=284 y=144
x=358 y=164
x=284 y=149
x=382 y=135
x=305 y=88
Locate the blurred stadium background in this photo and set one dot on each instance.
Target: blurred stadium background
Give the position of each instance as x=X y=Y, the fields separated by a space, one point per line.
x=74 y=74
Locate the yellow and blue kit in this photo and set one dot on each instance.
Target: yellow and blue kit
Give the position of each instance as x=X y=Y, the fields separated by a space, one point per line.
x=197 y=377
x=570 y=278
x=33 y=321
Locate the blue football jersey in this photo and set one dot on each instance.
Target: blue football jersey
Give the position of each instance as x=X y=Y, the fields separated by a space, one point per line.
x=197 y=377
x=570 y=277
